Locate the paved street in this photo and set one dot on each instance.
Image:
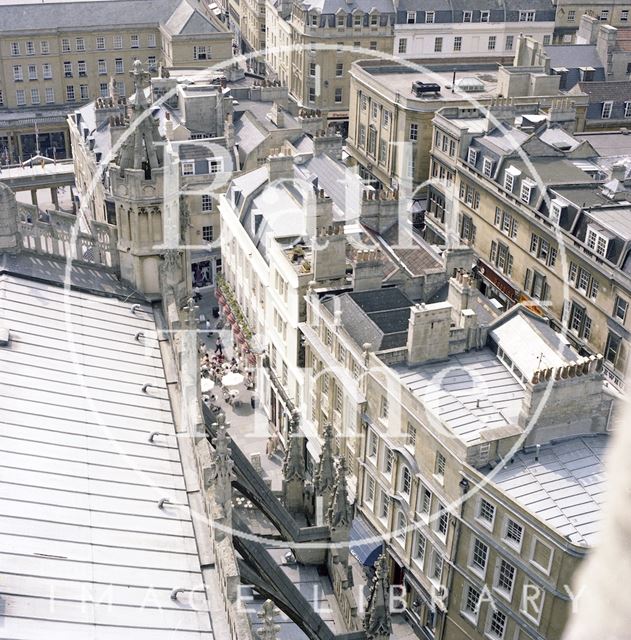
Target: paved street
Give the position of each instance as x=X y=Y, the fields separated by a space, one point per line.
x=249 y=427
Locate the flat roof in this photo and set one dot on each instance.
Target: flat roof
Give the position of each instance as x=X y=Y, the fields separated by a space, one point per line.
x=468 y=393
x=399 y=80
x=80 y=480
x=565 y=487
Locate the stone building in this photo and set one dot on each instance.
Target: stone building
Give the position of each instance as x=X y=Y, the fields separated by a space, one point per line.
x=451 y=437
x=54 y=55
x=112 y=303
x=431 y=30
x=217 y=126
x=524 y=197
x=305 y=220
x=311 y=47
x=569 y=13
x=392 y=106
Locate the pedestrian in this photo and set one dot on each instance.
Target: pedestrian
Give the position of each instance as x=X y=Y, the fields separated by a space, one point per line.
x=219 y=346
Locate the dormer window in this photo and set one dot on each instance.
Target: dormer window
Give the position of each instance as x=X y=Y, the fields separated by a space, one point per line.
x=467 y=16
x=341 y=20
x=485 y=16
x=509 y=178
x=605 y=114
x=597 y=241
x=188 y=168
x=487 y=167
x=314 y=19
x=527 y=187
x=556 y=209
x=429 y=17
x=411 y=17
x=472 y=156
x=527 y=16
x=358 y=19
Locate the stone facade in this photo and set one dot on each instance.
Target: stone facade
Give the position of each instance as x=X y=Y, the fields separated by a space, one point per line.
x=311 y=52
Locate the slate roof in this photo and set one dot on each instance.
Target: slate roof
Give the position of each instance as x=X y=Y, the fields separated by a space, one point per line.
x=565 y=488
x=332 y=6
x=186 y=21
x=411 y=251
x=507 y=6
x=71 y=15
x=80 y=481
x=619 y=91
x=378 y=316
x=573 y=56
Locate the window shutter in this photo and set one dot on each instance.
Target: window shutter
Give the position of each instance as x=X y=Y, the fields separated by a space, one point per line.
x=509 y=264
x=545 y=291
x=498 y=216
x=513 y=227
x=527 y=280
x=493 y=255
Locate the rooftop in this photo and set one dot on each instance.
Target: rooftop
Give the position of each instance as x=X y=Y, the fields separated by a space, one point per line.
x=573 y=56
x=379 y=317
x=86 y=14
x=398 y=79
x=348 y=6
x=469 y=393
x=82 y=481
x=619 y=91
x=564 y=487
x=608 y=143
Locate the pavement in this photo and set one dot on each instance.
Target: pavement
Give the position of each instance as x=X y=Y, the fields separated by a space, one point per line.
x=249 y=428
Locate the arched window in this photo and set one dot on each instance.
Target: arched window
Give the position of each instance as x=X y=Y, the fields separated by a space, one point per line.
x=402 y=525
x=406 y=481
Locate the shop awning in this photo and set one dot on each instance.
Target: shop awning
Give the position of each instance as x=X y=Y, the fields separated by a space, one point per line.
x=366 y=543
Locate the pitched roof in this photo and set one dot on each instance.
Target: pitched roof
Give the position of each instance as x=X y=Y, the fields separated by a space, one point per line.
x=185 y=20
x=378 y=316
x=619 y=91
x=86 y=14
x=82 y=481
x=573 y=56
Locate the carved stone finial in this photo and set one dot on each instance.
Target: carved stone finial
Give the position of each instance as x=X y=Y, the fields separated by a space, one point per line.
x=294 y=463
x=377 y=621
x=171 y=264
x=340 y=513
x=269 y=630
x=220 y=475
x=325 y=474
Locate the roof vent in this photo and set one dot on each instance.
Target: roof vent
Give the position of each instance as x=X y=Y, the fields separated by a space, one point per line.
x=469 y=85
x=4 y=336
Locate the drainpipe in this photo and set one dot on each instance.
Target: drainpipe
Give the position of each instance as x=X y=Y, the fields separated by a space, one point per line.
x=464 y=485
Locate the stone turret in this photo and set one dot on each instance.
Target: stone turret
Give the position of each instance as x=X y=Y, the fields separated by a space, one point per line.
x=325 y=473
x=377 y=622
x=294 y=470
x=146 y=194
